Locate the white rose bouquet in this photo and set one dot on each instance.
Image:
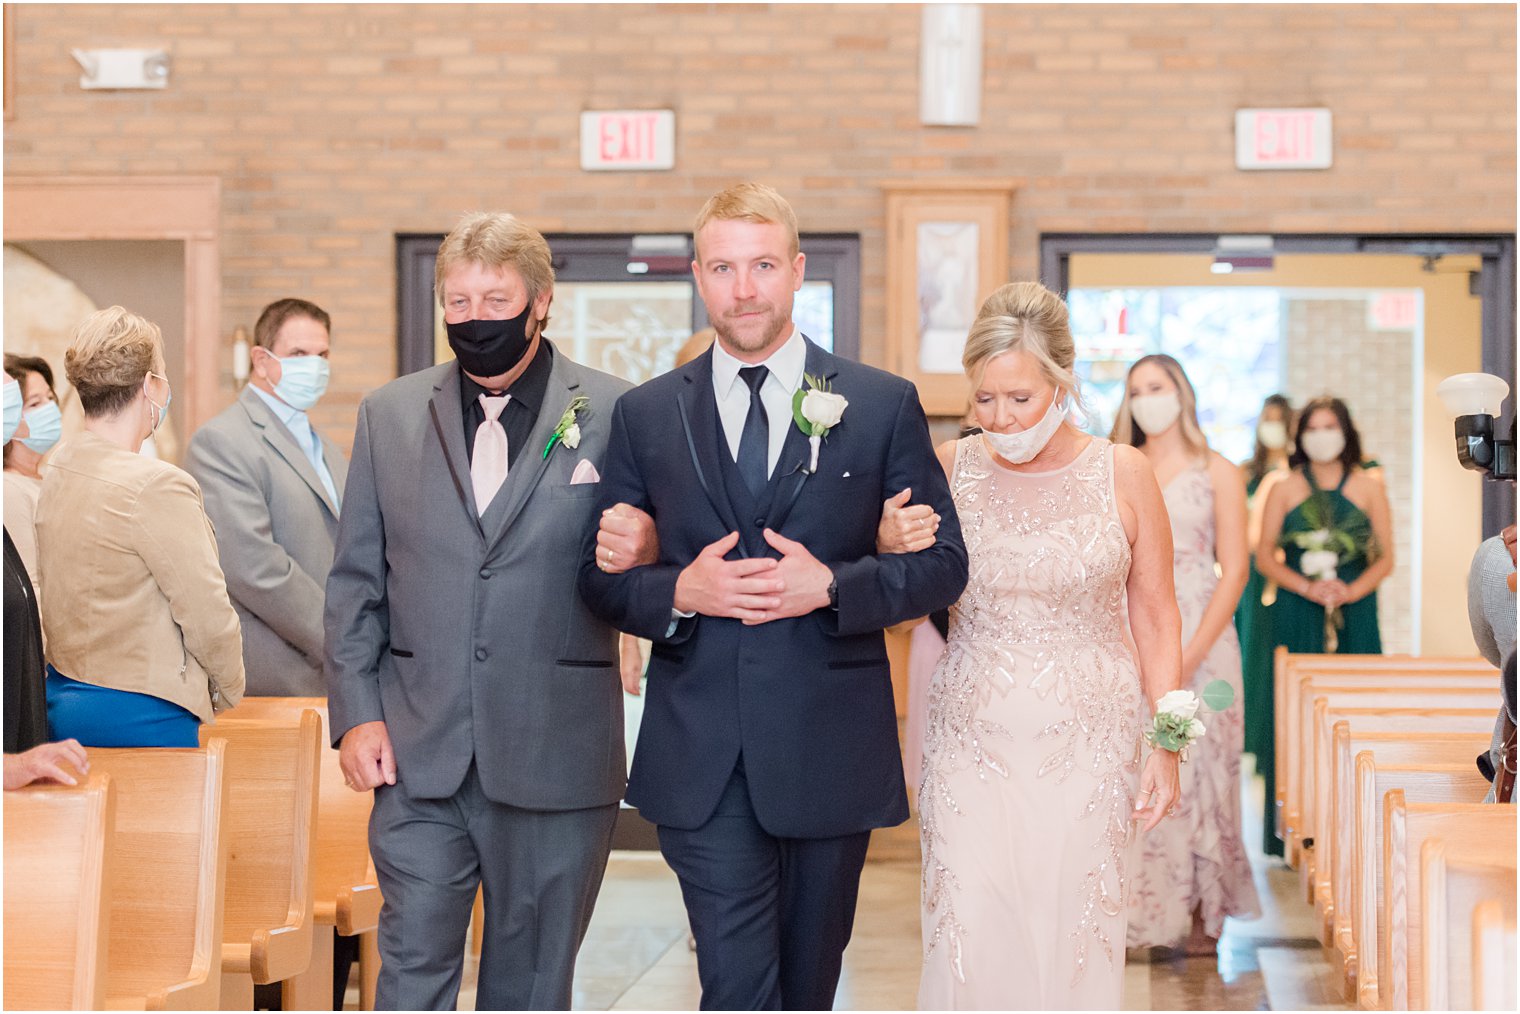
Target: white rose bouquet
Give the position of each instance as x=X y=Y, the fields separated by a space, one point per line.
x=1329 y=543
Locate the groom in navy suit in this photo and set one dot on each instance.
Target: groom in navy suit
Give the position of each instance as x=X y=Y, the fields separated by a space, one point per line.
x=768 y=749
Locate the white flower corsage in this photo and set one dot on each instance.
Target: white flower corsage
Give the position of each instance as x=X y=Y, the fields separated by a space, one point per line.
x=817 y=410
x=1176 y=725
x=567 y=431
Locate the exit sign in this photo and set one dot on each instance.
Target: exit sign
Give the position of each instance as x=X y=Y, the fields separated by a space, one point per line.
x=622 y=139
x=1282 y=139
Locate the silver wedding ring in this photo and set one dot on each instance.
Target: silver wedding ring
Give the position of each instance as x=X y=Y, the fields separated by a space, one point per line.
x=609 y=554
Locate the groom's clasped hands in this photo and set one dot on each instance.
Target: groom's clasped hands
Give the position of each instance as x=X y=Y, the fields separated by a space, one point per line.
x=754 y=590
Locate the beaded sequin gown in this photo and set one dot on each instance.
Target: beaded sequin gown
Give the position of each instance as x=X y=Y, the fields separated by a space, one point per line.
x=1032 y=751
x=1197 y=859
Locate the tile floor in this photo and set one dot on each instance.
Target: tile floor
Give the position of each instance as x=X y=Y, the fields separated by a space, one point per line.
x=636 y=955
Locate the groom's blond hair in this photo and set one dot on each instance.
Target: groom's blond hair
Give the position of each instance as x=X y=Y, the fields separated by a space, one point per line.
x=749 y=202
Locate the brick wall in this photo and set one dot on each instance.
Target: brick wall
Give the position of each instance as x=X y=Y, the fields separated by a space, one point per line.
x=333 y=127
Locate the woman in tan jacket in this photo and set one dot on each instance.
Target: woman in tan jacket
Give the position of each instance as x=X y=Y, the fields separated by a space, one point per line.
x=142 y=642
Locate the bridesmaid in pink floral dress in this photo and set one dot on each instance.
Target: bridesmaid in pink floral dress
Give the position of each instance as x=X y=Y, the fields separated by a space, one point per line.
x=1193 y=870
x=1034 y=770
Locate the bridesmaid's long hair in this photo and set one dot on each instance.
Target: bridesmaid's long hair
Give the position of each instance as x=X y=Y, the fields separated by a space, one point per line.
x=1126 y=432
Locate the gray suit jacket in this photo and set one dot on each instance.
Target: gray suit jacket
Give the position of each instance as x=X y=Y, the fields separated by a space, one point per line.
x=275 y=527
x=466 y=635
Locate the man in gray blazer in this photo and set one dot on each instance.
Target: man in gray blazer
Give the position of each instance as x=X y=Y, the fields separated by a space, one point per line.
x=468 y=685
x=273 y=486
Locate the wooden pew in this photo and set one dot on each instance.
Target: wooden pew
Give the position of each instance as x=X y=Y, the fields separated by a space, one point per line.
x=1408 y=826
x=347 y=896
x=1493 y=967
x=272 y=767
x=59 y=847
x=1320 y=771
x=1456 y=876
x=1288 y=669
x=1411 y=746
x=1302 y=673
x=1442 y=785
x=168 y=876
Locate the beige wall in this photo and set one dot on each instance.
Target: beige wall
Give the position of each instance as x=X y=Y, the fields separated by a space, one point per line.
x=334 y=127
x=147 y=276
x=1444 y=500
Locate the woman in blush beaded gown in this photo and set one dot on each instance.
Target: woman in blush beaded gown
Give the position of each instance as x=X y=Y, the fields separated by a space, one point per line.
x=1034 y=769
x=1193 y=871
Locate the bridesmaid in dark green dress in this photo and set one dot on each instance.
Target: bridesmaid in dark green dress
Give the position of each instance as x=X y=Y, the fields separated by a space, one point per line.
x=1252 y=618
x=1333 y=524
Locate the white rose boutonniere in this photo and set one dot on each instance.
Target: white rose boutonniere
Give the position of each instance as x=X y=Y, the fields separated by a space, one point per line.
x=568 y=431
x=817 y=410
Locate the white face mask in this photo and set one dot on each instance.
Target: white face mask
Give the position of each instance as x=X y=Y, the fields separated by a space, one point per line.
x=1025 y=444
x=1155 y=413
x=1322 y=445
x=1273 y=435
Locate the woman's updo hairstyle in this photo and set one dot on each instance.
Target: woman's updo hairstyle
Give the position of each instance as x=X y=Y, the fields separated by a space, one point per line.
x=112 y=351
x=1025 y=317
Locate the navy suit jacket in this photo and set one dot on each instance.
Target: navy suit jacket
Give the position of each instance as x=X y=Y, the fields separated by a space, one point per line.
x=807 y=701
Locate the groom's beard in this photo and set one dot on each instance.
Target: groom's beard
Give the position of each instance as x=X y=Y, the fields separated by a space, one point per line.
x=752 y=333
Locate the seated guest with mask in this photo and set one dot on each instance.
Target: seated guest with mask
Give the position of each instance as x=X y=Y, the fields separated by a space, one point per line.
x=23 y=454
x=143 y=644
x=273 y=486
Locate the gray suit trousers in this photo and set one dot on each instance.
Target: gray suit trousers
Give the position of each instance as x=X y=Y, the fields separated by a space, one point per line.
x=541 y=869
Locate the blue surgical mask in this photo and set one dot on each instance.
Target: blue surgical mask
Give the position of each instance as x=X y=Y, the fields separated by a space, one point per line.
x=13 y=399
x=158 y=413
x=45 y=424
x=303 y=380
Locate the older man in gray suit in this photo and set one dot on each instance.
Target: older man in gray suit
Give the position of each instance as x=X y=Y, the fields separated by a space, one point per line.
x=468 y=685
x=273 y=486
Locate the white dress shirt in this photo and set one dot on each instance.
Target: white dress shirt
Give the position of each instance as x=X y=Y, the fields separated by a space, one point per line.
x=306 y=438
x=786 y=366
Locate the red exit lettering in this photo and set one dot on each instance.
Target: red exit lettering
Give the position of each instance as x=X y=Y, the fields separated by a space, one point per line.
x=625 y=139
x=1284 y=137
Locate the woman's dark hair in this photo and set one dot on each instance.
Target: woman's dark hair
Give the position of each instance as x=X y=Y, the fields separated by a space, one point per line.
x=20 y=366
x=1263 y=454
x=1351 y=454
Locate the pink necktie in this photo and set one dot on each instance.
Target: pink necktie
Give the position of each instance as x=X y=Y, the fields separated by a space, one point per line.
x=488 y=465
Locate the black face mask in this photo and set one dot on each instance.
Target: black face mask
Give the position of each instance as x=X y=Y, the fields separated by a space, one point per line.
x=489 y=348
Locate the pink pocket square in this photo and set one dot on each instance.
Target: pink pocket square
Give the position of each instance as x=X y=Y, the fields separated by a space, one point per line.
x=584 y=472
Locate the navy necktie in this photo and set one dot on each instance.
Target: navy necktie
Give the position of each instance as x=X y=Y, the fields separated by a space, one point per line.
x=755 y=441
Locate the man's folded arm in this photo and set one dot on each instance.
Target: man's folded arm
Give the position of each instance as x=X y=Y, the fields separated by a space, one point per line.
x=878 y=591
x=642 y=600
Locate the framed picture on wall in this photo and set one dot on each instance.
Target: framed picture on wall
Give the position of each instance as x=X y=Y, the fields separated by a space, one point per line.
x=947 y=249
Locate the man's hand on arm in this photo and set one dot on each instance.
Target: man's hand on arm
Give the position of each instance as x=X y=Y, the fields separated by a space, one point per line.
x=625 y=539
x=366 y=758
x=739 y=589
